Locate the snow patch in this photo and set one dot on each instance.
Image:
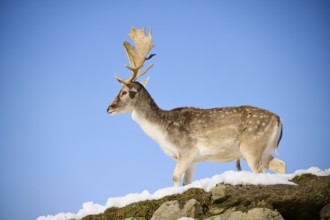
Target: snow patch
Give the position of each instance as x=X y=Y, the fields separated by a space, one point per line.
x=229 y=177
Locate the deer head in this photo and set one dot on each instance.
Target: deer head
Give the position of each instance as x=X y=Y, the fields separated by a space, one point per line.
x=127 y=96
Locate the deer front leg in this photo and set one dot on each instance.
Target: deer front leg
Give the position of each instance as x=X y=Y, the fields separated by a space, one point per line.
x=182 y=165
x=187 y=178
x=238 y=165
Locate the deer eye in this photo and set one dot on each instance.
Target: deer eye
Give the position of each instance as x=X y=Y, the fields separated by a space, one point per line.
x=123 y=93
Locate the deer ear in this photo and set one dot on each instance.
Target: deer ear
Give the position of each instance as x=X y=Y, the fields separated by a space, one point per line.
x=144 y=82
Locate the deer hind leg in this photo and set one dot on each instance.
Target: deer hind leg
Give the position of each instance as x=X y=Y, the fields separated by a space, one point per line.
x=255 y=165
x=269 y=161
x=252 y=157
x=276 y=165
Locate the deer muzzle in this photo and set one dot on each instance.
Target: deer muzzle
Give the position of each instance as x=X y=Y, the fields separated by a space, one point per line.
x=111 y=109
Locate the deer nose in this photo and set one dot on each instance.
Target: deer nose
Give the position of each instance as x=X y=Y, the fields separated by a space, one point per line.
x=110 y=109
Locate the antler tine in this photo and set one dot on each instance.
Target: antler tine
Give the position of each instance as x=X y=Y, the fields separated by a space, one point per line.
x=147 y=69
x=150 y=31
x=137 y=55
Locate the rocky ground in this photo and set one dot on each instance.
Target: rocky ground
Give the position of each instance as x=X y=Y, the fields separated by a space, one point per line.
x=309 y=199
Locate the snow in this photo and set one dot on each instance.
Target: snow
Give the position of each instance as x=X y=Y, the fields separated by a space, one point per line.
x=229 y=177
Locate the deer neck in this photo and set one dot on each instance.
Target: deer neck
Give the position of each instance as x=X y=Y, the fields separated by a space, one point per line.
x=150 y=117
x=154 y=123
x=146 y=110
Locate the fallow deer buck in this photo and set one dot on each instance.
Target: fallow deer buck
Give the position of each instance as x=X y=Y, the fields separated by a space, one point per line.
x=192 y=135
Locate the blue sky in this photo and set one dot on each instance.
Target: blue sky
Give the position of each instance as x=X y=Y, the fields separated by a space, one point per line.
x=58 y=146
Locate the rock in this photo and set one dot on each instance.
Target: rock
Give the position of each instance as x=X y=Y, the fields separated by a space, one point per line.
x=173 y=210
x=218 y=193
x=134 y=218
x=215 y=210
x=252 y=214
x=325 y=212
x=301 y=201
x=309 y=199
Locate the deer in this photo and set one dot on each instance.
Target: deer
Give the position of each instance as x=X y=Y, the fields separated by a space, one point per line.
x=192 y=135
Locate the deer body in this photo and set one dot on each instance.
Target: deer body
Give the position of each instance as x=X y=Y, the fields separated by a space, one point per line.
x=192 y=135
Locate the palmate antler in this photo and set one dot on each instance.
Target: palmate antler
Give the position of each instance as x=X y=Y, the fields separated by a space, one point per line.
x=137 y=55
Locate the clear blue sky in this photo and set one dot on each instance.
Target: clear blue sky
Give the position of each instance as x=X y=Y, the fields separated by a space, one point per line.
x=59 y=147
